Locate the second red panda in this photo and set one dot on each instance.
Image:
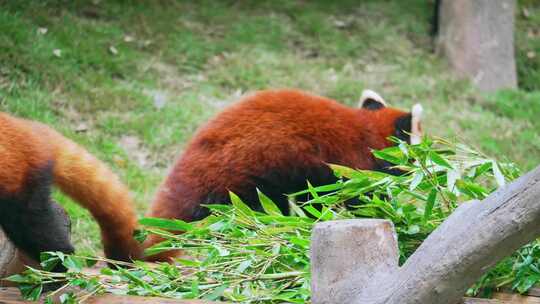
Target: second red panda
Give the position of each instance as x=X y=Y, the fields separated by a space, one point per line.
x=33 y=158
x=275 y=141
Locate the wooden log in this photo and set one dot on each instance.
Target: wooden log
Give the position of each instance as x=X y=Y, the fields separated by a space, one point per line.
x=337 y=254
x=7 y=254
x=477 y=37
x=12 y=261
x=12 y=296
x=481 y=301
x=475 y=237
x=534 y=292
x=515 y=298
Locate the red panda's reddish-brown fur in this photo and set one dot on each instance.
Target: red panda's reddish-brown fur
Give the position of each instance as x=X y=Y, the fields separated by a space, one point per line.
x=275 y=141
x=29 y=149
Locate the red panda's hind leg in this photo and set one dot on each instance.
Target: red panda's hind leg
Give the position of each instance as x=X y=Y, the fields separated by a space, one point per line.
x=32 y=221
x=277 y=183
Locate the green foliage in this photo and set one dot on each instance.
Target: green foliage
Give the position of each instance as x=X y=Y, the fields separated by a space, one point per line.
x=528 y=44
x=518 y=106
x=241 y=255
x=202 y=55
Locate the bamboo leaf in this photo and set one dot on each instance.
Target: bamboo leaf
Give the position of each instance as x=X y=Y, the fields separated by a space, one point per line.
x=439 y=160
x=430 y=203
x=168 y=224
x=499 y=177
x=387 y=157
x=417 y=179
x=240 y=205
x=268 y=205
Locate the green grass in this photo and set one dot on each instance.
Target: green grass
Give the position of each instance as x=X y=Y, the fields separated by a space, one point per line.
x=528 y=45
x=201 y=56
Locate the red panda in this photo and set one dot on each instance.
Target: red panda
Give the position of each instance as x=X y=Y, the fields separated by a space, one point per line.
x=276 y=141
x=33 y=157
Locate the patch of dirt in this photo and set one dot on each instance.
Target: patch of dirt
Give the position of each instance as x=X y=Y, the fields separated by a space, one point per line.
x=135 y=151
x=170 y=78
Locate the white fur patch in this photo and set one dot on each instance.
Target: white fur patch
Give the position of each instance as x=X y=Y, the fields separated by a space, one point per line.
x=369 y=94
x=416 y=130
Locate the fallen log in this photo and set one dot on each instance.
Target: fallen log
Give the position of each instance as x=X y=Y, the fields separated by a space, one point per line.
x=355 y=261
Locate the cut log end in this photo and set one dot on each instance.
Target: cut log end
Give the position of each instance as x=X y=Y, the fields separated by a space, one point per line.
x=350 y=251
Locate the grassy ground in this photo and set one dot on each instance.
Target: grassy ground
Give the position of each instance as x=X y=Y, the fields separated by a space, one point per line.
x=132 y=80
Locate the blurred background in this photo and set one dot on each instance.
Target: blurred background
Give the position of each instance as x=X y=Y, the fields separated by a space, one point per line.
x=132 y=80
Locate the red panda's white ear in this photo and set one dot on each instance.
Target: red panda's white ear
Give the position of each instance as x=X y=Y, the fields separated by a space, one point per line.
x=371 y=100
x=416 y=128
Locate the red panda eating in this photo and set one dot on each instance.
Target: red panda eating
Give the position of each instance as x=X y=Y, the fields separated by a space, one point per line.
x=33 y=158
x=276 y=141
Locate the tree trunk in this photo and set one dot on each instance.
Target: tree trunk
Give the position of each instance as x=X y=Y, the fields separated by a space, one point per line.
x=477 y=37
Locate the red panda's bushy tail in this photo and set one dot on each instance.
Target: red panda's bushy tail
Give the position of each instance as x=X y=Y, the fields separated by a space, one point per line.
x=94 y=186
